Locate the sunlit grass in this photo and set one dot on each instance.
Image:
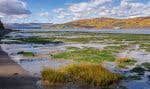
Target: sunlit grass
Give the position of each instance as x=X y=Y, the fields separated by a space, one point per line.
x=90 y=74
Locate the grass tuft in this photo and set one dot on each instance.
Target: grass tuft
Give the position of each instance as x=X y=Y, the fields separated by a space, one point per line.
x=90 y=74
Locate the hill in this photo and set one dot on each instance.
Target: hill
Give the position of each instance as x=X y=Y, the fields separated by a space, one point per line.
x=98 y=23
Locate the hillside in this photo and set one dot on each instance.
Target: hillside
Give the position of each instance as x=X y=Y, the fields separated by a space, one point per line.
x=139 y=22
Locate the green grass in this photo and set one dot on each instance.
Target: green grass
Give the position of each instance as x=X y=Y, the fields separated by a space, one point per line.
x=26 y=54
x=145 y=46
x=73 y=48
x=124 y=62
x=79 y=40
x=113 y=38
x=38 y=40
x=87 y=55
x=83 y=73
x=115 y=49
x=146 y=65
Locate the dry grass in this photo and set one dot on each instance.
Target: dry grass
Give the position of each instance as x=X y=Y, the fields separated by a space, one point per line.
x=83 y=73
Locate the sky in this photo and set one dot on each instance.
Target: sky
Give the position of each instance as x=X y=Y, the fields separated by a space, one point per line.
x=61 y=11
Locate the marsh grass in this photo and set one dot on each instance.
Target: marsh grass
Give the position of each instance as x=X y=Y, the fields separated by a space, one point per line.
x=90 y=74
x=115 y=49
x=73 y=48
x=26 y=54
x=38 y=40
x=53 y=76
x=145 y=46
x=124 y=62
x=87 y=55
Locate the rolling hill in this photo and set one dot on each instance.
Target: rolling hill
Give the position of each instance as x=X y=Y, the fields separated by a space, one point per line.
x=98 y=23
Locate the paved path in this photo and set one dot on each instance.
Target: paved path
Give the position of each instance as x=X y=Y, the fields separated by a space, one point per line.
x=12 y=76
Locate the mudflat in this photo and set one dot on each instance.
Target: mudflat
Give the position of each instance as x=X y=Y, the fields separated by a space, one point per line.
x=12 y=76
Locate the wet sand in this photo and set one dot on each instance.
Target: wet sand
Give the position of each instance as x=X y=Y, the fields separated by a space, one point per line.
x=12 y=76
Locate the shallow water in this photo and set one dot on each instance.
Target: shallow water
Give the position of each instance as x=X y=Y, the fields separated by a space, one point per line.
x=129 y=31
x=34 y=65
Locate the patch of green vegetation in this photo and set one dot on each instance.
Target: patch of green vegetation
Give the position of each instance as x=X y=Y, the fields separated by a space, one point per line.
x=83 y=73
x=26 y=54
x=138 y=70
x=80 y=40
x=145 y=46
x=124 y=62
x=38 y=40
x=115 y=49
x=146 y=65
x=73 y=48
x=86 y=54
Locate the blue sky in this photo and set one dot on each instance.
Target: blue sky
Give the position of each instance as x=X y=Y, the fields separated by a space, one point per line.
x=61 y=11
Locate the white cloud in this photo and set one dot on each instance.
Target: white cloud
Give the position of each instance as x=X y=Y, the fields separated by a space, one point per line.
x=11 y=10
x=13 y=7
x=103 y=8
x=44 y=14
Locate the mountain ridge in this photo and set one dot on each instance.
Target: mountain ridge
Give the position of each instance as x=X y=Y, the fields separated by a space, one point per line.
x=100 y=23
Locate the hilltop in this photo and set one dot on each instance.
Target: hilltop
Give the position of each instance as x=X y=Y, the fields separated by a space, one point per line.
x=98 y=23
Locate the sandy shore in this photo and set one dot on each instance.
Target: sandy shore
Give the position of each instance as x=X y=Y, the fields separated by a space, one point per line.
x=12 y=76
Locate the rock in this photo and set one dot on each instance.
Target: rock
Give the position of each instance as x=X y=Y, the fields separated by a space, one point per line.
x=1 y=25
x=3 y=31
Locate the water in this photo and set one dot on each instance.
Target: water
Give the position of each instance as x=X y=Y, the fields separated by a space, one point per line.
x=125 y=31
